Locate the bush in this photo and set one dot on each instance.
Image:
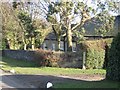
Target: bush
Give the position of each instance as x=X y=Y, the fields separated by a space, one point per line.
x=46 y=58
x=95 y=53
x=113 y=69
x=58 y=59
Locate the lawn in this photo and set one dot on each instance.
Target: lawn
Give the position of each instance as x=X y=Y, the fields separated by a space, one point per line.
x=25 y=67
x=89 y=84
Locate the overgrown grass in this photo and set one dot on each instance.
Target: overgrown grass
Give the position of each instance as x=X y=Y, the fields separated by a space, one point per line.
x=25 y=67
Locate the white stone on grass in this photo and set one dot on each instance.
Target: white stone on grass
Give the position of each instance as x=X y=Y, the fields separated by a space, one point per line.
x=49 y=85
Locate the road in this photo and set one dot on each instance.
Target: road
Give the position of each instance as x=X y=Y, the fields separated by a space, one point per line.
x=7 y=81
x=39 y=81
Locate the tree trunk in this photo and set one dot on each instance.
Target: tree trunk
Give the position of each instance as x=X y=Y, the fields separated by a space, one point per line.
x=25 y=46
x=58 y=41
x=24 y=39
x=9 y=44
x=69 y=40
x=15 y=42
x=33 y=43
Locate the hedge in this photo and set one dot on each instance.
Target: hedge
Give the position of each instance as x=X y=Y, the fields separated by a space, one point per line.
x=95 y=56
x=113 y=69
x=94 y=59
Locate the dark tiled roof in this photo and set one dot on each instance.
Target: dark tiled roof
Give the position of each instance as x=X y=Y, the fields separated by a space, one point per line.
x=90 y=29
x=51 y=36
x=117 y=23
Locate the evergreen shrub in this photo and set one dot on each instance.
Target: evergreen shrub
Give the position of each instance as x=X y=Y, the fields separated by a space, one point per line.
x=113 y=69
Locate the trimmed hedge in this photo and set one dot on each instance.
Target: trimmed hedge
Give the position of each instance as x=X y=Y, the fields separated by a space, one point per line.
x=94 y=59
x=113 y=69
x=95 y=56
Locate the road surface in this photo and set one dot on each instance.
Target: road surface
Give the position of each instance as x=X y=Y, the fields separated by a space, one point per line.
x=7 y=81
x=39 y=81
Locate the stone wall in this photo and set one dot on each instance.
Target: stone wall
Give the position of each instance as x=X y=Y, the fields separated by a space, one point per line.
x=19 y=54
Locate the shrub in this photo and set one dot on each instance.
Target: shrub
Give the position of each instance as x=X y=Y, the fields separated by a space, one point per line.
x=46 y=58
x=113 y=69
x=58 y=59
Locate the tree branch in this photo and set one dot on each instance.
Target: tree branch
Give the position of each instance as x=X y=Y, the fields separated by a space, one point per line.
x=85 y=17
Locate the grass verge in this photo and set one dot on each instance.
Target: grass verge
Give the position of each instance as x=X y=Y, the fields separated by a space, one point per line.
x=25 y=67
x=89 y=84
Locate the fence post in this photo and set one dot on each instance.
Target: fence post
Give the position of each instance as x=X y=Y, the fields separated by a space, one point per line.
x=84 y=58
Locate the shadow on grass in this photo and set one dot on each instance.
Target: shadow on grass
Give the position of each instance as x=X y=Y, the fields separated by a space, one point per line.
x=18 y=63
x=40 y=81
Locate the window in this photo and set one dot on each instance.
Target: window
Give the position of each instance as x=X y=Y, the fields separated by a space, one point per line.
x=61 y=46
x=44 y=46
x=53 y=46
x=74 y=47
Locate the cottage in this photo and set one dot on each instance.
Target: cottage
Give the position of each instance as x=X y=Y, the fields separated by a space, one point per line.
x=50 y=42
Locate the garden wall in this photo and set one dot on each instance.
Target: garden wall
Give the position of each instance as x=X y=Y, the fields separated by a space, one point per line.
x=19 y=54
x=47 y=58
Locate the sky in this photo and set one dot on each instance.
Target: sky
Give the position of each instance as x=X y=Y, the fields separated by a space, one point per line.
x=89 y=2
